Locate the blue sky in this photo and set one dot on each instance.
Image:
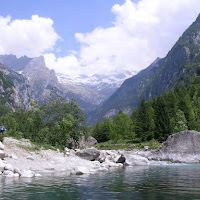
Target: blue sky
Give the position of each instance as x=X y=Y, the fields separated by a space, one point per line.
x=94 y=36
x=69 y=16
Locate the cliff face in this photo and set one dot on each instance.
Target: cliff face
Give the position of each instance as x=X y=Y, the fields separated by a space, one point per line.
x=15 y=90
x=179 y=67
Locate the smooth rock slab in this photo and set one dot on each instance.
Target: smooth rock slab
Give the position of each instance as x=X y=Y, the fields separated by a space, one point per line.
x=180 y=147
x=136 y=160
x=27 y=174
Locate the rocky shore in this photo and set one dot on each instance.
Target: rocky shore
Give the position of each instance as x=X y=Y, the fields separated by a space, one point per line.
x=20 y=158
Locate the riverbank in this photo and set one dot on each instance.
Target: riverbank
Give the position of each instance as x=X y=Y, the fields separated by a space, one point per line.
x=21 y=158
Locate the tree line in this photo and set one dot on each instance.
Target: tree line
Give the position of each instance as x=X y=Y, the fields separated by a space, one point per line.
x=174 y=111
x=55 y=122
x=59 y=122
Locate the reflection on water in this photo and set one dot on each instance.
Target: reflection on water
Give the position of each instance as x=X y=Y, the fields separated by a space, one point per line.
x=142 y=183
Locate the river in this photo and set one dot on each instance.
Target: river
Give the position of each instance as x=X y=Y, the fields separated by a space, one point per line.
x=166 y=182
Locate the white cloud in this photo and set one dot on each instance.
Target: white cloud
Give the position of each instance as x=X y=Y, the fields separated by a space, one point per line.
x=141 y=32
x=27 y=37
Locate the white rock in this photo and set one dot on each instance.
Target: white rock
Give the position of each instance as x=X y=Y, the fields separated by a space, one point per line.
x=27 y=174
x=67 y=150
x=13 y=156
x=2 y=165
x=16 y=170
x=80 y=170
x=9 y=167
x=136 y=160
x=1 y=146
x=30 y=158
x=9 y=174
x=2 y=154
x=37 y=175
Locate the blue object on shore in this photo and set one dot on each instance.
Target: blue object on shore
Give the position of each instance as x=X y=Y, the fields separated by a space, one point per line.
x=3 y=129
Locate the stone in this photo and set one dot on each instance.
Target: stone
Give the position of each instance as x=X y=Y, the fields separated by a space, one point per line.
x=88 y=154
x=2 y=154
x=136 y=160
x=16 y=170
x=120 y=159
x=91 y=141
x=7 y=173
x=2 y=165
x=9 y=167
x=102 y=156
x=27 y=174
x=67 y=150
x=30 y=158
x=1 y=146
x=13 y=156
x=179 y=147
x=146 y=148
x=79 y=170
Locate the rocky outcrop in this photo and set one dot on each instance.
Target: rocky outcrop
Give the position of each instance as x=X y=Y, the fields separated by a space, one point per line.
x=90 y=141
x=88 y=154
x=180 y=147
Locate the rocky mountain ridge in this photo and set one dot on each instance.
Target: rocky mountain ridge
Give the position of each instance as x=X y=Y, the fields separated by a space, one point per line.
x=179 y=67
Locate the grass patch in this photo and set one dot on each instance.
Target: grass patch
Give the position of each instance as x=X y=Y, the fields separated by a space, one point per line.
x=127 y=145
x=32 y=148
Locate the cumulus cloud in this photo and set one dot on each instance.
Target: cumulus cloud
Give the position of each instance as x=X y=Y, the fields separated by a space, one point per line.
x=140 y=33
x=27 y=37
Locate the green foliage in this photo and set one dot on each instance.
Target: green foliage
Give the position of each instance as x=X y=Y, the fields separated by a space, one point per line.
x=172 y=112
x=144 y=127
x=54 y=122
x=123 y=127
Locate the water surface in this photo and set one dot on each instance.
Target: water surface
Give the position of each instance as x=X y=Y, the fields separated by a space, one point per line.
x=143 y=183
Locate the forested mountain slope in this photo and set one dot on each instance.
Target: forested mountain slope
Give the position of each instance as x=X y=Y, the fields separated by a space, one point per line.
x=179 y=67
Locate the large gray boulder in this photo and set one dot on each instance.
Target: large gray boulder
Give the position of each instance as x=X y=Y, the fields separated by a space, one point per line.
x=180 y=147
x=90 y=141
x=88 y=154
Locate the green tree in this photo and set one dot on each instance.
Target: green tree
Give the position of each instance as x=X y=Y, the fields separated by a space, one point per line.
x=144 y=123
x=123 y=127
x=180 y=122
x=162 y=120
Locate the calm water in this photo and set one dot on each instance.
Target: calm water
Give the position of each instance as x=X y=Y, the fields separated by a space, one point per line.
x=148 y=183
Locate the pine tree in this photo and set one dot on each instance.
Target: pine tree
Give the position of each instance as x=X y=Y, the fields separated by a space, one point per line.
x=162 y=120
x=144 y=127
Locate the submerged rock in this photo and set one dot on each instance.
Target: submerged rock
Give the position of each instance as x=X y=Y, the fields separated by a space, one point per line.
x=180 y=147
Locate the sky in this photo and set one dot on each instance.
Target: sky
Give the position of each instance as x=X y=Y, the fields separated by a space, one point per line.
x=89 y=37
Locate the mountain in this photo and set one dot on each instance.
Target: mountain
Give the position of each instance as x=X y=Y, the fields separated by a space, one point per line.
x=17 y=64
x=14 y=89
x=102 y=85
x=179 y=67
x=89 y=92
x=41 y=80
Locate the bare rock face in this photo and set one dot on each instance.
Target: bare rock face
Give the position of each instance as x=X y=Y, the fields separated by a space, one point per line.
x=180 y=147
